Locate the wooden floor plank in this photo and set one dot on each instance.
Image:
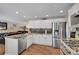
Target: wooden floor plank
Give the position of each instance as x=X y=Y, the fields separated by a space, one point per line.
x=2 y=49
x=41 y=50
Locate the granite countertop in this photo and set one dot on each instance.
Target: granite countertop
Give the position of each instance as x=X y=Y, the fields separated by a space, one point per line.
x=73 y=44
x=17 y=36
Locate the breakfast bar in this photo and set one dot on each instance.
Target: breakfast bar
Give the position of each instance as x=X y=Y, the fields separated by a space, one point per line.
x=16 y=44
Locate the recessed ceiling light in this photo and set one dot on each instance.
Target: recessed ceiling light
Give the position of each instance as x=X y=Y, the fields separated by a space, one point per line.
x=35 y=16
x=7 y=19
x=17 y=12
x=61 y=11
x=24 y=16
x=47 y=15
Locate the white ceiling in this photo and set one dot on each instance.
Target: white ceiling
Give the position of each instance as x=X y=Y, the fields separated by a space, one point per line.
x=32 y=10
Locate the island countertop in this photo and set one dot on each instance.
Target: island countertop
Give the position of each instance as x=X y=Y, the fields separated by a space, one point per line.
x=19 y=36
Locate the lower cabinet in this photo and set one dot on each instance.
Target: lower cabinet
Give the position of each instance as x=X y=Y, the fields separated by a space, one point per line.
x=15 y=46
x=22 y=44
x=11 y=46
x=29 y=41
x=42 y=40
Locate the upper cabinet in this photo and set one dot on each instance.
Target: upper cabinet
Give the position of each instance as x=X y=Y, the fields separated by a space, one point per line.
x=33 y=24
x=73 y=19
x=39 y=24
x=73 y=15
x=45 y=23
x=74 y=9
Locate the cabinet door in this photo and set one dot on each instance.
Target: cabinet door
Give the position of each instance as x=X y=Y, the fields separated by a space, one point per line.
x=34 y=24
x=45 y=24
x=11 y=46
x=43 y=40
x=29 y=42
x=20 y=45
x=24 y=43
x=48 y=40
x=36 y=39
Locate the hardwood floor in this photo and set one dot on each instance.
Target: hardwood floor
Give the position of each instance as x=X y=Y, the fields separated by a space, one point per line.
x=2 y=49
x=41 y=50
x=36 y=50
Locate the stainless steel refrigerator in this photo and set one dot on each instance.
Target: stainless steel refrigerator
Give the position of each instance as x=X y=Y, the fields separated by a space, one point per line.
x=56 y=34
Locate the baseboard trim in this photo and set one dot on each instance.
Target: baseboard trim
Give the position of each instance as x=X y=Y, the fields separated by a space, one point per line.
x=42 y=45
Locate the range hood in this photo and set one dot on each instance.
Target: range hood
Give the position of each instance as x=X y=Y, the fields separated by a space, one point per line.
x=44 y=18
x=76 y=15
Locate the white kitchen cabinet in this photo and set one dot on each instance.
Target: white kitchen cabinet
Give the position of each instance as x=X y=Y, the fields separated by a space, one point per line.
x=22 y=44
x=11 y=46
x=39 y=24
x=42 y=39
x=25 y=42
x=29 y=41
x=14 y=46
x=47 y=23
x=74 y=9
x=34 y=24
x=42 y=23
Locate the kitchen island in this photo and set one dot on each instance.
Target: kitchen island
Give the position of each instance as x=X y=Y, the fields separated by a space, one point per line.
x=70 y=47
x=16 y=44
